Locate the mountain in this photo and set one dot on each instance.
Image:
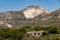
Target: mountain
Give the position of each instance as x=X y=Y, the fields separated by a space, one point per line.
x=11 y=18
x=54 y=17
x=33 y=11
x=30 y=16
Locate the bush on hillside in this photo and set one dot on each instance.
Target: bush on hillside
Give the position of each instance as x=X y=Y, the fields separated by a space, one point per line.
x=52 y=30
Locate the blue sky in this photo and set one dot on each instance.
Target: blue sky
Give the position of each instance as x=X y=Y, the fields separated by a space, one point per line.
x=9 y=5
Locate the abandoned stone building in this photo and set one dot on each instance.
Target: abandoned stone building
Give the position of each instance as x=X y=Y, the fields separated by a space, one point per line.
x=36 y=33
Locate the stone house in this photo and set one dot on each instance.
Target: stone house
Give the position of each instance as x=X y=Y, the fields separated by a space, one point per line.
x=36 y=33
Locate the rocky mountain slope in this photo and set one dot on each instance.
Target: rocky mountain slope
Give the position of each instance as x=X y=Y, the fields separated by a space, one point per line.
x=33 y=11
x=30 y=16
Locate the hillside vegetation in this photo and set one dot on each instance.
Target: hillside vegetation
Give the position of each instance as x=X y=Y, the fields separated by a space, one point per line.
x=52 y=33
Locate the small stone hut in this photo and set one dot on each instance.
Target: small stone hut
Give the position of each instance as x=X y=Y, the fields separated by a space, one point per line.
x=36 y=33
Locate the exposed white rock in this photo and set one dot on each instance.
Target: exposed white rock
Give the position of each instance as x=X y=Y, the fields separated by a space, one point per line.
x=9 y=25
x=44 y=19
x=33 y=11
x=1 y=22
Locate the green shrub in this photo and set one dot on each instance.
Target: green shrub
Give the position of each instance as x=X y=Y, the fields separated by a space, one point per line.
x=44 y=33
x=52 y=30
